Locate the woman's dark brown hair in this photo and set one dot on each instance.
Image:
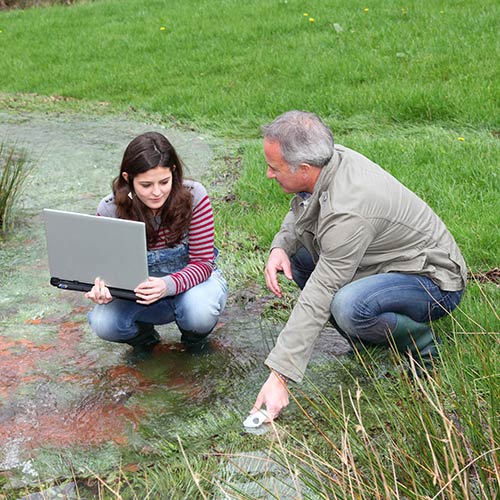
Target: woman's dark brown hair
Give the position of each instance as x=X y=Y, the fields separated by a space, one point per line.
x=145 y=152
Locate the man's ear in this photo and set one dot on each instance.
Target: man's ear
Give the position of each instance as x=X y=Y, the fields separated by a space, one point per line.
x=305 y=169
x=125 y=176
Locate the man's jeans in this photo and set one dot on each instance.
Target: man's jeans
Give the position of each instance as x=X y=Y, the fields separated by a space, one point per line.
x=365 y=310
x=195 y=311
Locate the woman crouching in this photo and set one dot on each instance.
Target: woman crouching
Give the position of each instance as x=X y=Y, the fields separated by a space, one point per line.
x=184 y=283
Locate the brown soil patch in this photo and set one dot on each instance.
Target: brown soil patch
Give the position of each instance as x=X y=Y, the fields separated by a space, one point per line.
x=93 y=421
x=491 y=276
x=102 y=414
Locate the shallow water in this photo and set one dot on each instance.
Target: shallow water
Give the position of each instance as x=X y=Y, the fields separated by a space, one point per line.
x=69 y=402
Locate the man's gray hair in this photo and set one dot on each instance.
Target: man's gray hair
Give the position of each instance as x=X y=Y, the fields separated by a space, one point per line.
x=303 y=138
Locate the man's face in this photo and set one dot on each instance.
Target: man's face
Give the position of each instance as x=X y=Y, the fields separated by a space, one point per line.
x=279 y=170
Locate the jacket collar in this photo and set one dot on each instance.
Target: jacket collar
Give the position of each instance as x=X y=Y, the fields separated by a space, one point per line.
x=327 y=174
x=325 y=178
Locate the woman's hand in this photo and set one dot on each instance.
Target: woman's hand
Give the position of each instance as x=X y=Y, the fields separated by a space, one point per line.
x=99 y=293
x=150 y=291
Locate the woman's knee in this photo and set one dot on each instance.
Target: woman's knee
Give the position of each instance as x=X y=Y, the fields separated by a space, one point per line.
x=201 y=319
x=101 y=323
x=199 y=312
x=106 y=324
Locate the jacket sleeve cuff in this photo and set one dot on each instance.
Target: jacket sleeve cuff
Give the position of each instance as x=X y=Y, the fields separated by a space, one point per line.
x=289 y=372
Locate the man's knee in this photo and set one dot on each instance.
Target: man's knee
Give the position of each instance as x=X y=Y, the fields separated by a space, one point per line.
x=343 y=309
x=358 y=317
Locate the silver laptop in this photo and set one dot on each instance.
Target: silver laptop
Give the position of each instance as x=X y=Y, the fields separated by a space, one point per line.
x=82 y=247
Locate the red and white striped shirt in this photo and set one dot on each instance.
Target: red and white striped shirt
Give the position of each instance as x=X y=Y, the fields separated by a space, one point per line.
x=200 y=237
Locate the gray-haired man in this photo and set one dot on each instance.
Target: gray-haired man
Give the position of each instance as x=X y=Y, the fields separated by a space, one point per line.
x=369 y=255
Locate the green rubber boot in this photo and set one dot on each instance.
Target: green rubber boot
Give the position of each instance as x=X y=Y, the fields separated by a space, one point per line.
x=418 y=341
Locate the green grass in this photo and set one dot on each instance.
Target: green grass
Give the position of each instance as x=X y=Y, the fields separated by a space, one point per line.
x=400 y=439
x=229 y=66
x=412 y=86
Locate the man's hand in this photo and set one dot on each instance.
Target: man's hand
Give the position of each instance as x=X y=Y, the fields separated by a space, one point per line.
x=151 y=290
x=278 y=261
x=99 y=293
x=274 y=395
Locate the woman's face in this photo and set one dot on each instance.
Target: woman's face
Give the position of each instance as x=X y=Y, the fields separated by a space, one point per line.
x=153 y=187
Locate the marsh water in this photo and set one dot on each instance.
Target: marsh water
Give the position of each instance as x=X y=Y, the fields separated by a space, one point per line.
x=70 y=403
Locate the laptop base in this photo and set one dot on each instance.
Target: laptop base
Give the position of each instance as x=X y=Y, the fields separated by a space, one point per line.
x=77 y=286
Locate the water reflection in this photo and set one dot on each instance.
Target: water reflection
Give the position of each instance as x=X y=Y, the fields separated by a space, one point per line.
x=68 y=392
x=74 y=391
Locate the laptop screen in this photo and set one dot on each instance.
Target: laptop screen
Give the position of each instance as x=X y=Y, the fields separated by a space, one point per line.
x=82 y=247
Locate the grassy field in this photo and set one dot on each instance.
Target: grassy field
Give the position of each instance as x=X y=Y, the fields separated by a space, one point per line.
x=415 y=87
x=229 y=66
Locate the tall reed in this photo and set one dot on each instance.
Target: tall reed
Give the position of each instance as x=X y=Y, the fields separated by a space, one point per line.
x=14 y=170
x=394 y=436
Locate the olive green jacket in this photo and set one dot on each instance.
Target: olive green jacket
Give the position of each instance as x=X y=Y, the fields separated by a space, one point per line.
x=359 y=221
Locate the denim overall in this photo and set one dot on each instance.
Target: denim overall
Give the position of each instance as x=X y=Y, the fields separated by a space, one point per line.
x=168 y=260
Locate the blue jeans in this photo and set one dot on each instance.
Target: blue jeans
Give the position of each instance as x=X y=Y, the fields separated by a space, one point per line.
x=365 y=310
x=196 y=312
